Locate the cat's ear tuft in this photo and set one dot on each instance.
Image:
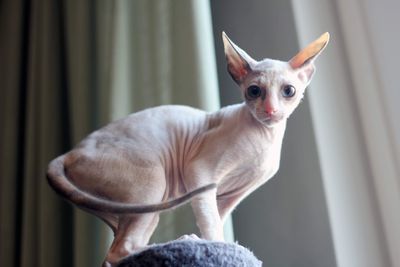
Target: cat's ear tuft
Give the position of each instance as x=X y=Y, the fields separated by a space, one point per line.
x=237 y=59
x=305 y=58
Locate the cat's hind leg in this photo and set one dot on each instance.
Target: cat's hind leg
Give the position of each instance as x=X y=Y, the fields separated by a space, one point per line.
x=132 y=234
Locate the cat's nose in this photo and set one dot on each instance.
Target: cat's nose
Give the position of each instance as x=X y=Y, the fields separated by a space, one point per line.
x=270 y=110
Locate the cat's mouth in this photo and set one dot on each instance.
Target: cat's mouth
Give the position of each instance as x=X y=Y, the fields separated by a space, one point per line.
x=269 y=120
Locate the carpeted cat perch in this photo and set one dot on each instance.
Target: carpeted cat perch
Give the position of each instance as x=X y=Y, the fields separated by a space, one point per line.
x=192 y=253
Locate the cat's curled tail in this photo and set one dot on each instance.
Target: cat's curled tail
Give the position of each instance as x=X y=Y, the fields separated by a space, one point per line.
x=63 y=186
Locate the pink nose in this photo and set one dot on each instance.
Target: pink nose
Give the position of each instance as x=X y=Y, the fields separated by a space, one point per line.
x=270 y=110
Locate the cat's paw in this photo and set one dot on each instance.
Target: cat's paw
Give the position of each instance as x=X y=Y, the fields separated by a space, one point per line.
x=191 y=237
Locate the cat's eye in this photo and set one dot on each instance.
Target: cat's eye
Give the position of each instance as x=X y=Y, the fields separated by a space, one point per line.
x=288 y=91
x=254 y=91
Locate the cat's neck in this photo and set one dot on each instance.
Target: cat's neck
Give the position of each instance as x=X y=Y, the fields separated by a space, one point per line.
x=237 y=119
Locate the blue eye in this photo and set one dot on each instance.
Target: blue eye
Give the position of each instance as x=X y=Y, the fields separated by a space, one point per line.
x=254 y=91
x=288 y=91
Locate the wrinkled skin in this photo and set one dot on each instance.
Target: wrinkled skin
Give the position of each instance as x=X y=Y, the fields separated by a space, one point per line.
x=162 y=153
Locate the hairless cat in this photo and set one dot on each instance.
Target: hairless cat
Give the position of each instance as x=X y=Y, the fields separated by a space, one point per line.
x=127 y=172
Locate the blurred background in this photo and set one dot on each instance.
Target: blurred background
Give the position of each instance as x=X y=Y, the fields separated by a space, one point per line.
x=69 y=67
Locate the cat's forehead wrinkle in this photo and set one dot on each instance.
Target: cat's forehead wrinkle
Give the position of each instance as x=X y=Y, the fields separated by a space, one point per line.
x=269 y=77
x=271 y=73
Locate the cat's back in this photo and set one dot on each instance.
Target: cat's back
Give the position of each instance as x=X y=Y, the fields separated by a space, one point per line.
x=165 y=116
x=156 y=124
x=170 y=112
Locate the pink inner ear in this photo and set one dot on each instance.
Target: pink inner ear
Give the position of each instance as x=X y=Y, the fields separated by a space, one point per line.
x=242 y=71
x=310 y=52
x=237 y=70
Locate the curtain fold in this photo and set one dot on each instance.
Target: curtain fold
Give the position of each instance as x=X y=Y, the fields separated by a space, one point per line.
x=33 y=219
x=10 y=113
x=67 y=68
x=164 y=55
x=47 y=108
x=88 y=35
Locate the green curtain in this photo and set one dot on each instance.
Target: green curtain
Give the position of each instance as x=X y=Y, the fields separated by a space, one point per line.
x=165 y=55
x=67 y=68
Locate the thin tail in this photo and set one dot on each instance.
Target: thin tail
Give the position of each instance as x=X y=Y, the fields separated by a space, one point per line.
x=63 y=186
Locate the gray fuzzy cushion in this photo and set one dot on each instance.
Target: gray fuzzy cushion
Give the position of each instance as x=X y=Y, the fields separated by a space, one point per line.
x=193 y=253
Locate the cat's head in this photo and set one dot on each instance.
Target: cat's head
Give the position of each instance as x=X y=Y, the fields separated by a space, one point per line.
x=272 y=89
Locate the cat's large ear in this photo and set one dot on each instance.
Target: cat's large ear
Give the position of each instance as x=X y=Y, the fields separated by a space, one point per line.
x=304 y=60
x=239 y=62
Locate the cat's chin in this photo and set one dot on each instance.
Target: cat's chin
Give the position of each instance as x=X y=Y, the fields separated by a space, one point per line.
x=270 y=122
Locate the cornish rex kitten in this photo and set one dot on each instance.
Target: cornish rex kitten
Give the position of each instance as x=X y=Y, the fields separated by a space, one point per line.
x=130 y=170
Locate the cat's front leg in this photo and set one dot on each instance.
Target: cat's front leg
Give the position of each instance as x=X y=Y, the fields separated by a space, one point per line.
x=207 y=217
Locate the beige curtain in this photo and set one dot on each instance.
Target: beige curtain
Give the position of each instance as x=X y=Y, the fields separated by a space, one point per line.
x=66 y=68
